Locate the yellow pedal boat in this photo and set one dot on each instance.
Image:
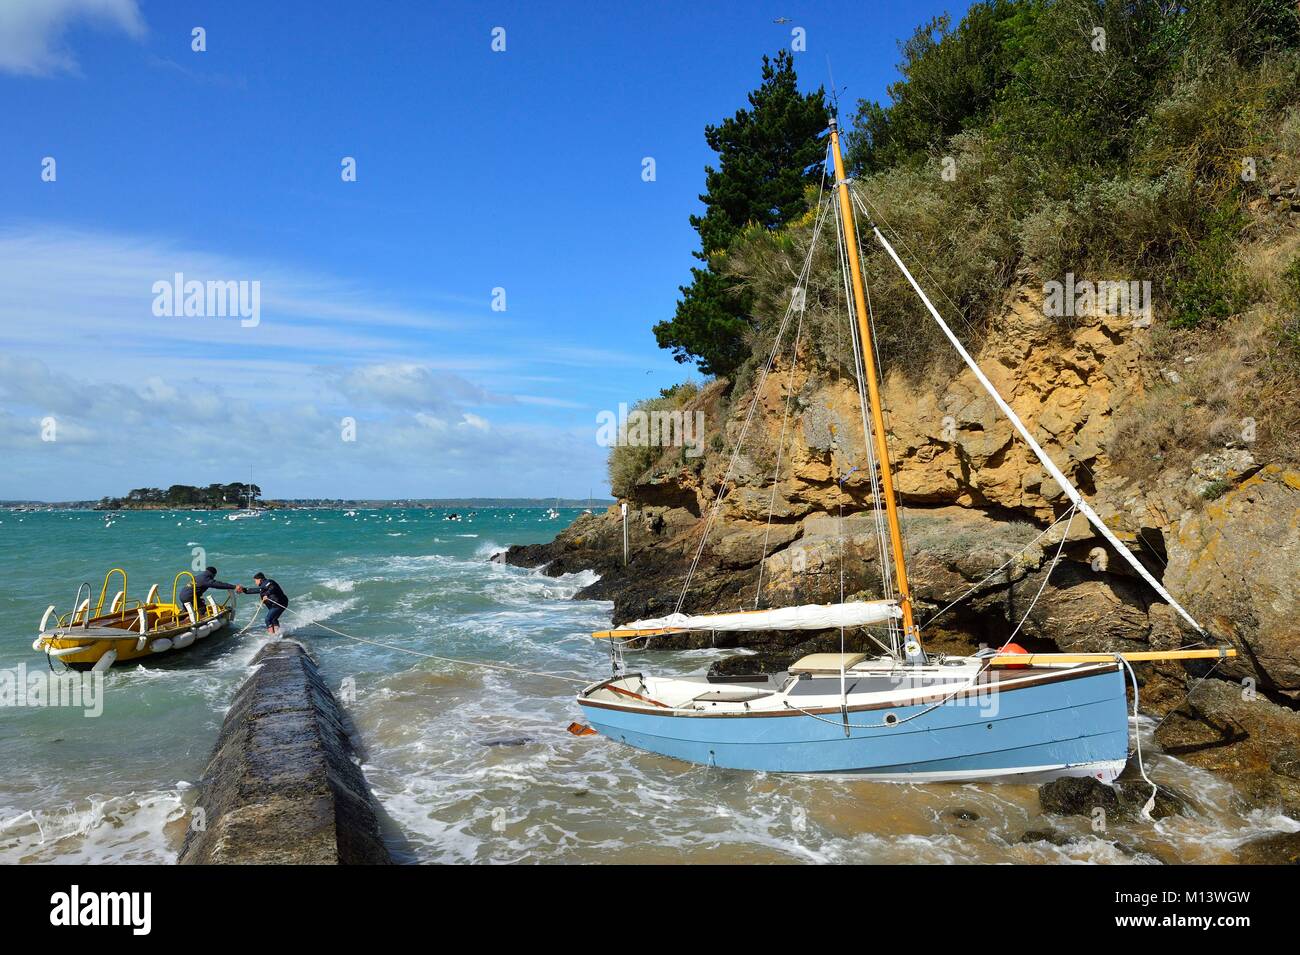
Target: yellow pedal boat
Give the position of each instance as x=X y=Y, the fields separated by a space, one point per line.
x=86 y=638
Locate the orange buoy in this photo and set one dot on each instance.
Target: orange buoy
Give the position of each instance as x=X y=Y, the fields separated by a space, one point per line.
x=1014 y=648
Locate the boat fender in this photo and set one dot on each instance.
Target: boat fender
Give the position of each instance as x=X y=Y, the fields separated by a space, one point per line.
x=84 y=608
x=36 y=644
x=184 y=640
x=189 y=609
x=152 y=596
x=67 y=651
x=117 y=602
x=140 y=615
x=1015 y=648
x=104 y=662
x=140 y=644
x=46 y=619
x=160 y=645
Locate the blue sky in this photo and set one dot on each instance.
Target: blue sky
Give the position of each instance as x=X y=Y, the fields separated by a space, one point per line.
x=476 y=170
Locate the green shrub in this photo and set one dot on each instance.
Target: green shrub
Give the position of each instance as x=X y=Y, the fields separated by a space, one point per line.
x=1209 y=285
x=629 y=463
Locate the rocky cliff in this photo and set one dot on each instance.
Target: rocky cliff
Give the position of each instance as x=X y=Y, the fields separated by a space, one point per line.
x=796 y=524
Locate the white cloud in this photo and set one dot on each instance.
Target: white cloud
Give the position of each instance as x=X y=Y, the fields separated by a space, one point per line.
x=143 y=400
x=172 y=428
x=405 y=385
x=92 y=285
x=31 y=31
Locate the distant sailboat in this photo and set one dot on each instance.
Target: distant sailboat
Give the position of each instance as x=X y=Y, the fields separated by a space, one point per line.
x=248 y=510
x=902 y=714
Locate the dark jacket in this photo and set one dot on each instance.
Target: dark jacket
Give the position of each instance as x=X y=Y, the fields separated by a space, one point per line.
x=205 y=582
x=270 y=592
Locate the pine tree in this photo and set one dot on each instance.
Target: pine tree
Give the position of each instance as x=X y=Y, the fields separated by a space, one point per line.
x=767 y=155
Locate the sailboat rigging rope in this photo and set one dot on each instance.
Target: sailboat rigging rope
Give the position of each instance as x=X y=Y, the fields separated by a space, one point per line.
x=839 y=509
x=802 y=291
x=974 y=680
x=860 y=372
x=780 y=448
x=749 y=415
x=1047 y=530
x=859 y=198
x=431 y=656
x=873 y=464
x=872 y=212
x=895 y=627
x=1068 y=516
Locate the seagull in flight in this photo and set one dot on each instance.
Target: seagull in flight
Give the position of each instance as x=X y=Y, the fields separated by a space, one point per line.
x=781 y=20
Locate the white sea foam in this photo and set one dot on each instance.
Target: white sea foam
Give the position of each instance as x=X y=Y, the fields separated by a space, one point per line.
x=99 y=829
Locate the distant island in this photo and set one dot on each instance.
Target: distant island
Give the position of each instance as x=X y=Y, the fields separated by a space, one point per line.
x=214 y=497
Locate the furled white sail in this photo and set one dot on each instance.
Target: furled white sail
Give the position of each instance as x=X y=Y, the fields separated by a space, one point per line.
x=805 y=617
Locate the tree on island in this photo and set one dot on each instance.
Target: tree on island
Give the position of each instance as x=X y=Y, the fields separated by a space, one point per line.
x=184 y=495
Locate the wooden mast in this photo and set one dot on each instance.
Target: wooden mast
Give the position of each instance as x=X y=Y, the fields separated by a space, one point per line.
x=910 y=633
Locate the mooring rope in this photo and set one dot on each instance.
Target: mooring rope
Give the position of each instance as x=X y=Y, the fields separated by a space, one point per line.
x=1137 y=737
x=428 y=656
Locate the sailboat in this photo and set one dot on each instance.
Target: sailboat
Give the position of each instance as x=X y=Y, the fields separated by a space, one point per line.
x=248 y=510
x=903 y=714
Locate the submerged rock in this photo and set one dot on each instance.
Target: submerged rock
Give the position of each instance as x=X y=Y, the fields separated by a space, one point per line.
x=1239 y=733
x=1079 y=796
x=1054 y=836
x=1282 y=848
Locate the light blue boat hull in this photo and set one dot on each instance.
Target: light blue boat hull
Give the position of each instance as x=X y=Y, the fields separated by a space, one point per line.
x=1077 y=727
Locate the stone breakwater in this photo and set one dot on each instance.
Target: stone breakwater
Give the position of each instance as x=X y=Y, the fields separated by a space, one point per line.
x=283 y=785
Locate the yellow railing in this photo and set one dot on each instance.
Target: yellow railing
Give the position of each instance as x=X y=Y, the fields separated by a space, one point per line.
x=103 y=592
x=194 y=594
x=128 y=607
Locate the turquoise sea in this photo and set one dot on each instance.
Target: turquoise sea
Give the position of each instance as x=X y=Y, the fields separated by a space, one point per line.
x=468 y=764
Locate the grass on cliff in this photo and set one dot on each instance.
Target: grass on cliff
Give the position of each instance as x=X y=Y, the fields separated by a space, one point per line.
x=631 y=460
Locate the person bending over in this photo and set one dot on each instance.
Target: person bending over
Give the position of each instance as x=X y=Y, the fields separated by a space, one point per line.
x=203 y=581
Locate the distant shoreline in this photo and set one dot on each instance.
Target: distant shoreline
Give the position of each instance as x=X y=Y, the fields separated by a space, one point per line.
x=472 y=503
